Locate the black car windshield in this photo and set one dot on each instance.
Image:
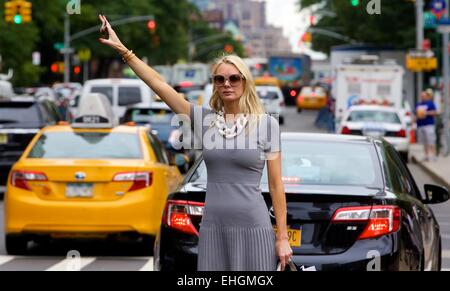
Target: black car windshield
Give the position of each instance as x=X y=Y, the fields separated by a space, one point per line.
x=19 y=114
x=323 y=163
x=374 y=116
x=86 y=145
x=151 y=116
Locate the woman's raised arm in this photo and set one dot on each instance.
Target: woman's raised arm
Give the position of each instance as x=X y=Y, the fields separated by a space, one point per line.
x=171 y=97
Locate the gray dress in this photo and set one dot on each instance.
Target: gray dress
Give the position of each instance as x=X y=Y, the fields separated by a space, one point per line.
x=236 y=233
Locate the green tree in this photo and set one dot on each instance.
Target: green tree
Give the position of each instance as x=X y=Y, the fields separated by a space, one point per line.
x=394 y=26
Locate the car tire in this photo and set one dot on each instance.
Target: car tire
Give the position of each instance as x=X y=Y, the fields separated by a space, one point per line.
x=16 y=244
x=281 y=120
x=299 y=110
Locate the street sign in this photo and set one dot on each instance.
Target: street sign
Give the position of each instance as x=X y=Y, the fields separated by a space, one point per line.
x=85 y=55
x=421 y=61
x=36 y=58
x=430 y=21
x=438 y=7
x=67 y=51
x=58 y=46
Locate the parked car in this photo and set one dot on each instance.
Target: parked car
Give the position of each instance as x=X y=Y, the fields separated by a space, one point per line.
x=337 y=219
x=379 y=121
x=273 y=100
x=20 y=119
x=312 y=98
x=90 y=179
x=121 y=93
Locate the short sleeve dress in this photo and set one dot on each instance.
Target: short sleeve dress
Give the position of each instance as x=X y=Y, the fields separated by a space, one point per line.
x=236 y=233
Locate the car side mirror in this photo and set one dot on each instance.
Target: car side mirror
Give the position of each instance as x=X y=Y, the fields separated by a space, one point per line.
x=181 y=161
x=436 y=194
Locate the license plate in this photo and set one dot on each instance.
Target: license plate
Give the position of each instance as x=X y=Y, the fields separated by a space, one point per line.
x=79 y=190
x=3 y=138
x=294 y=237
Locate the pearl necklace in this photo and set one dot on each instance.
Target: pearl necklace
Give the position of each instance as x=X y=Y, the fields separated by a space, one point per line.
x=235 y=130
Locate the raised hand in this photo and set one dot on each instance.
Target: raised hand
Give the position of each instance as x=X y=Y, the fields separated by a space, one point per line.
x=109 y=36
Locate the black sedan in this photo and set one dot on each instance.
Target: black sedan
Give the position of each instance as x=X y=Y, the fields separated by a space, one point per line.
x=352 y=205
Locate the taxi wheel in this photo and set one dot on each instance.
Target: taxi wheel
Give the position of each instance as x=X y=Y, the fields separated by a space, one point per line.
x=16 y=244
x=299 y=110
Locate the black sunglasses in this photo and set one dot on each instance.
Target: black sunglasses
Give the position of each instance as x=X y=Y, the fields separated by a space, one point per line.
x=234 y=80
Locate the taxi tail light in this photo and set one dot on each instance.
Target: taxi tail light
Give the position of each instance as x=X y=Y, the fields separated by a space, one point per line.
x=20 y=179
x=381 y=220
x=293 y=93
x=178 y=215
x=140 y=180
x=401 y=133
x=346 y=130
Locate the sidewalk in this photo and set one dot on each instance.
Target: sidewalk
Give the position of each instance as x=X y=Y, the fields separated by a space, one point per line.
x=438 y=170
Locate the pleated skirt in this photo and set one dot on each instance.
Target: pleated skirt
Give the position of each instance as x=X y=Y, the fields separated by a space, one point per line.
x=236 y=249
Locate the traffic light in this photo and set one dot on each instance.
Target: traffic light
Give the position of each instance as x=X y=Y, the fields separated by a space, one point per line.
x=18 y=11
x=151 y=25
x=354 y=3
x=228 y=48
x=77 y=70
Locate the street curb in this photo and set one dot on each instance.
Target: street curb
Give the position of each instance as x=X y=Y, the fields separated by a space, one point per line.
x=431 y=173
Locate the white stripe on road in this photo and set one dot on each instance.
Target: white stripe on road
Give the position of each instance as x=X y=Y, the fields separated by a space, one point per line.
x=68 y=264
x=445 y=236
x=444 y=223
x=446 y=270
x=148 y=266
x=5 y=259
x=446 y=254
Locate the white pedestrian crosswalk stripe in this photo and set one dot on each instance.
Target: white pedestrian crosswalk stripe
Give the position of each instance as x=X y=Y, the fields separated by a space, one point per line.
x=446 y=254
x=5 y=259
x=82 y=263
x=71 y=265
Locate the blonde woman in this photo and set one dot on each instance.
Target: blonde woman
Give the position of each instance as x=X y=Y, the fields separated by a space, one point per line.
x=236 y=232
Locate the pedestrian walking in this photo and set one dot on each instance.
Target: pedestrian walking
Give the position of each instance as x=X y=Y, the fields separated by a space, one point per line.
x=426 y=113
x=236 y=233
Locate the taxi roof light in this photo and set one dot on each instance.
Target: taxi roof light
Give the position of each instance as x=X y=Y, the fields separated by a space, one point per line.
x=94 y=111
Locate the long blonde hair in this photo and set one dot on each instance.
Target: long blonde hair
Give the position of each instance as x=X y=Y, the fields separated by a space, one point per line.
x=249 y=103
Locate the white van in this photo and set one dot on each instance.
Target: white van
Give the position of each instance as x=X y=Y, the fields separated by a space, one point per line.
x=120 y=92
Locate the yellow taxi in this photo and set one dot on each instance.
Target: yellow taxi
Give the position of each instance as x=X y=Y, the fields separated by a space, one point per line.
x=312 y=98
x=267 y=81
x=90 y=179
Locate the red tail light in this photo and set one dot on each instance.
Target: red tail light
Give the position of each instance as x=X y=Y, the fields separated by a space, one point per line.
x=346 y=130
x=381 y=220
x=408 y=114
x=401 y=133
x=282 y=104
x=20 y=179
x=178 y=215
x=140 y=180
x=293 y=93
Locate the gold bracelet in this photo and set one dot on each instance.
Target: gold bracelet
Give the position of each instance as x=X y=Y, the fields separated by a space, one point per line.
x=128 y=56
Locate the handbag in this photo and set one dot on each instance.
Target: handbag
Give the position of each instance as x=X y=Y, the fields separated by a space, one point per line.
x=291 y=267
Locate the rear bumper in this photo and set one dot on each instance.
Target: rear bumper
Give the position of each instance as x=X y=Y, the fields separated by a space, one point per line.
x=135 y=212
x=312 y=105
x=177 y=252
x=365 y=255
x=400 y=144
